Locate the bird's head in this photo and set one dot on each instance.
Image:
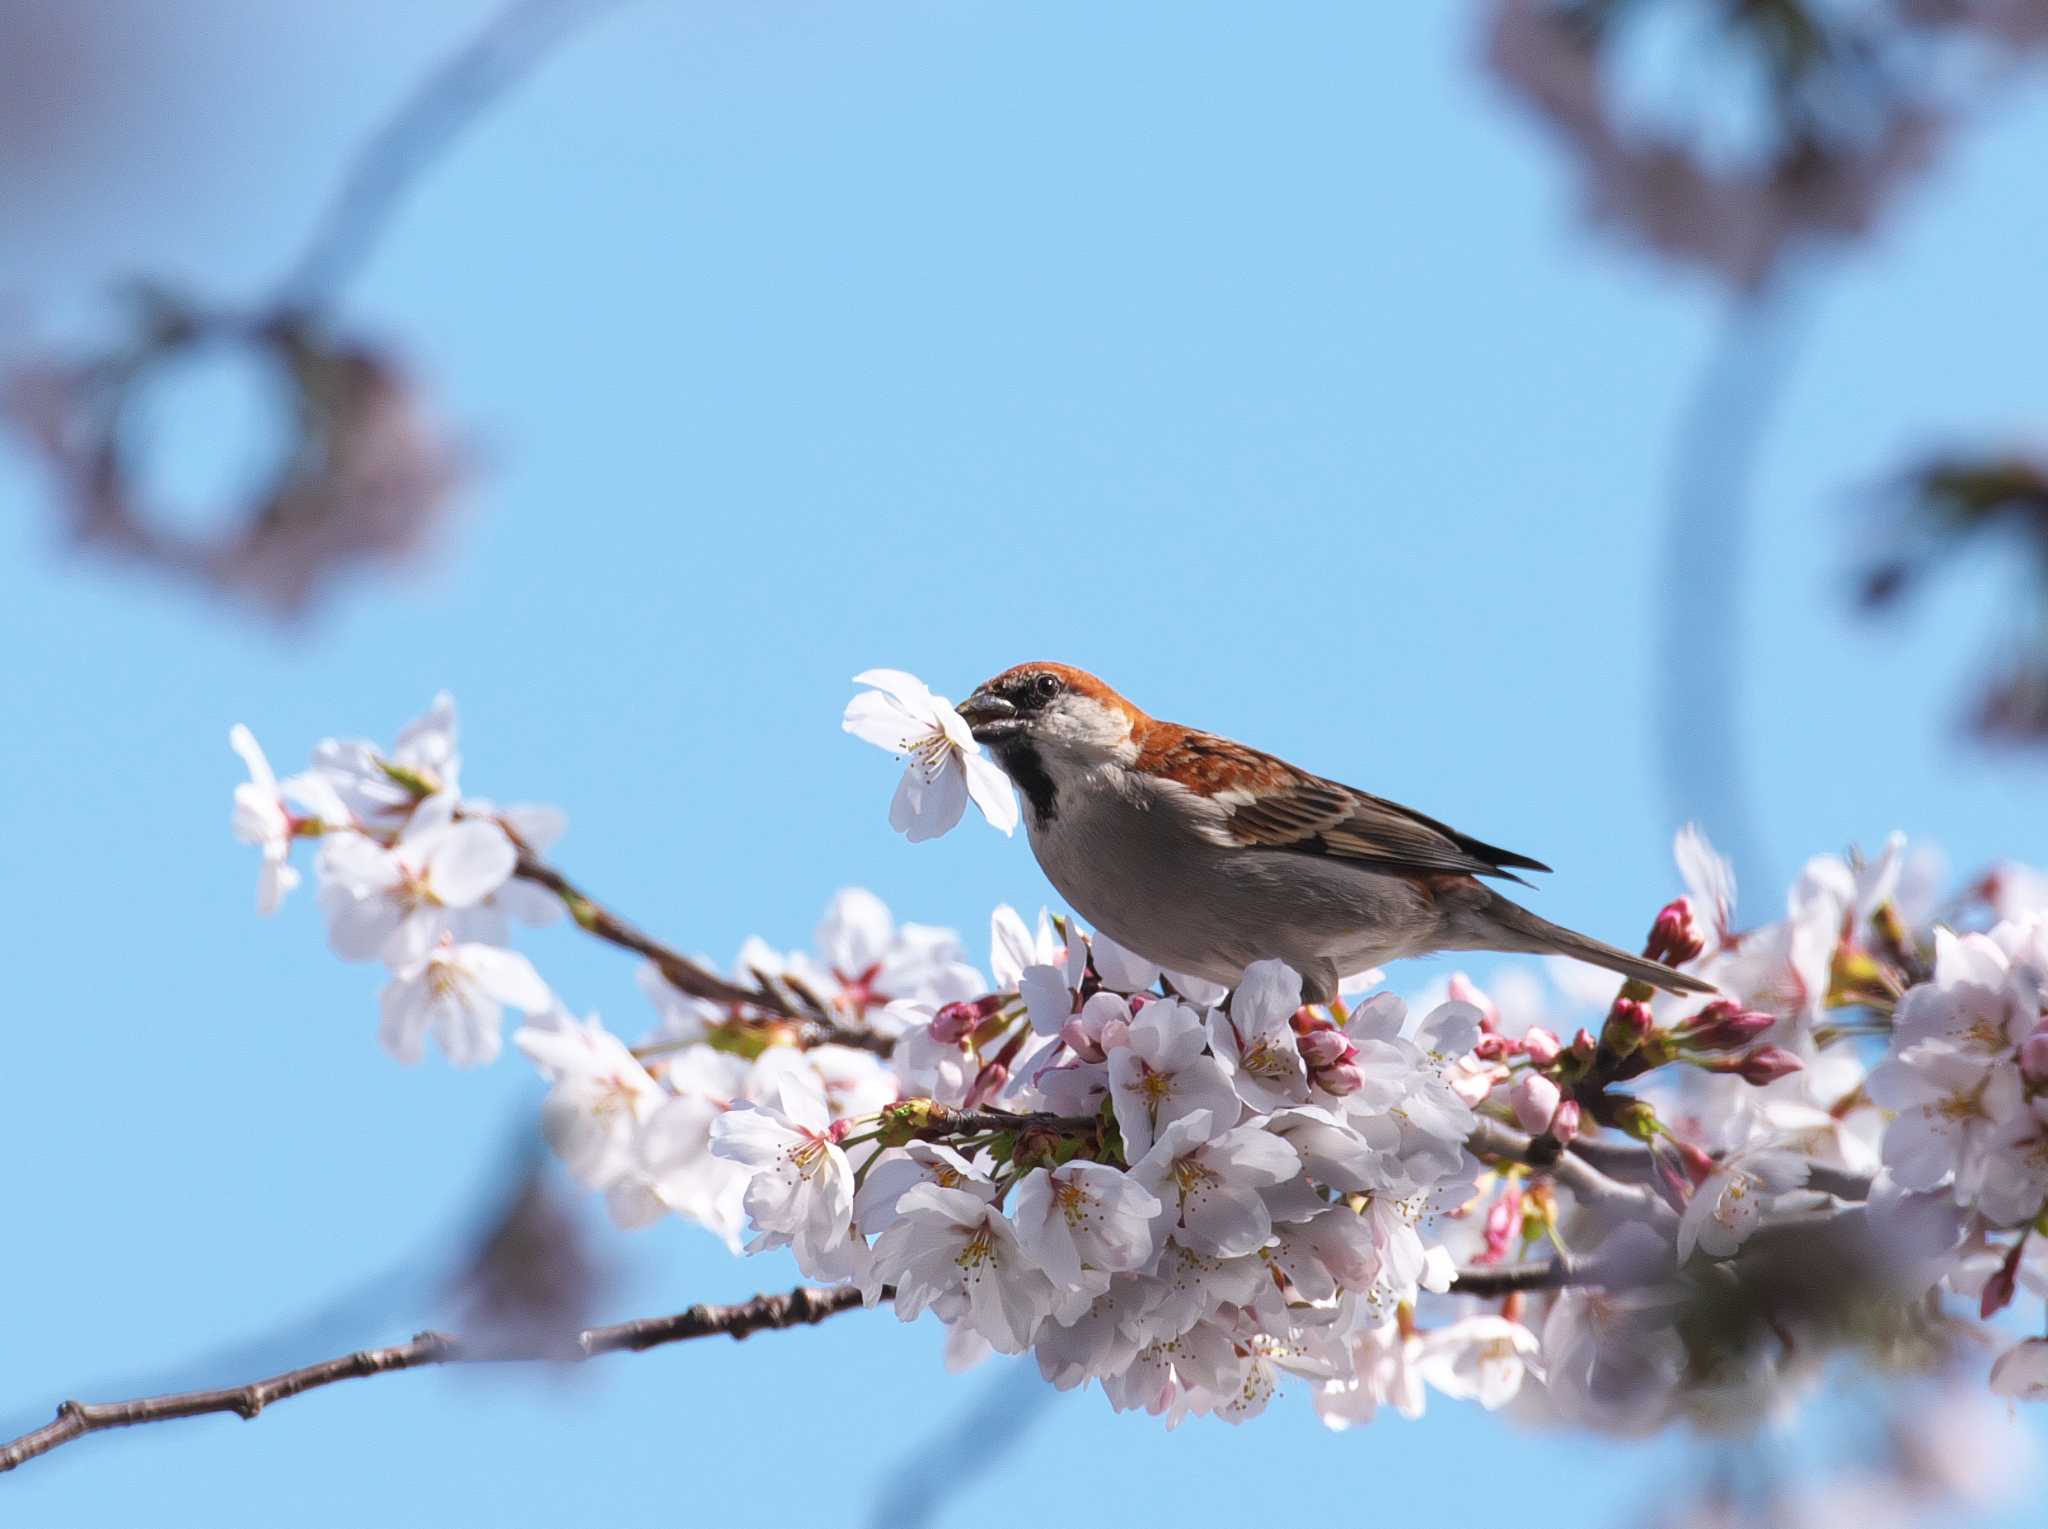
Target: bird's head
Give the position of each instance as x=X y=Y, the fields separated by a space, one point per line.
x=1061 y=714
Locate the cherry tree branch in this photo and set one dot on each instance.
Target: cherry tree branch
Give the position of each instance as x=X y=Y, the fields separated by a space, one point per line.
x=804 y=1306
x=774 y=995
x=1592 y=1186
x=1631 y=1162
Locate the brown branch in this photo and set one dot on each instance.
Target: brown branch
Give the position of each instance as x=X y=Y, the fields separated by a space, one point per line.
x=1490 y=1138
x=1510 y=1279
x=1631 y=1163
x=782 y=999
x=800 y=1307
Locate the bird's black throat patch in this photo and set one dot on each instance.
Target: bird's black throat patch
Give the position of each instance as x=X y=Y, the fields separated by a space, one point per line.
x=1021 y=763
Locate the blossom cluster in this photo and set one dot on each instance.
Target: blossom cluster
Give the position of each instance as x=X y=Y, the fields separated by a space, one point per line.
x=1185 y=1195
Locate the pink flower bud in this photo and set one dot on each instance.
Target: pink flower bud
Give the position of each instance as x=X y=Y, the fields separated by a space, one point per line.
x=1564 y=1125
x=1542 y=1047
x=1697 y=1161
x=2034 y=1055
x=1079 y=1041
x=1674 y=939
x=1534 y=1100
x=1628 y=1026
x=1767 y=1064
x=954 y=1023
x=1326 y=1048
x=1491 y=1048
x=1344 y=1078
x=1724 y=1025
x=1583 y=1045
x=1306 y=1020
x=1503 y=1222
x=987 y=1083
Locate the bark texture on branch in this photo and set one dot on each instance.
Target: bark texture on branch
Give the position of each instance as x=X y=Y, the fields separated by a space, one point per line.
x=800 y=1307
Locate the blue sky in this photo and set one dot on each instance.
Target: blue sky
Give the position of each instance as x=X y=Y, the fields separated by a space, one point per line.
x=1257 y=359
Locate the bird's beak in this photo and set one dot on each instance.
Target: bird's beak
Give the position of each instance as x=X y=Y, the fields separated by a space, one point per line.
x=989 y=718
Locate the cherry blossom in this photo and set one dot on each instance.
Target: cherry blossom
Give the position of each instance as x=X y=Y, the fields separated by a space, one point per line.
x=1481 y=1359
x=599 y=1098
x=458 y=993
x=801 y=1192
x=952 y=1249
x=946 y=766
x=1255 y=1040
x=1163 y=1073
x=1207 y=1183
x=393 y=904
x=262 y=818
x=1728 y=1206
x=1081 y=1218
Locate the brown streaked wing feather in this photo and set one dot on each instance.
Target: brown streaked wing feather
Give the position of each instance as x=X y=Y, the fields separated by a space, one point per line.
x=1322 y=817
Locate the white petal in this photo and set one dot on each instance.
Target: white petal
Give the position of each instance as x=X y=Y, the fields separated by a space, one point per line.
x=874 y=718
x=471 y=861
x=991 y=791
x=916 y=697
x=507 y=976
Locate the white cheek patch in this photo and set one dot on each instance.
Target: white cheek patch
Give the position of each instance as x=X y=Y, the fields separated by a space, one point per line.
x=1083 y=723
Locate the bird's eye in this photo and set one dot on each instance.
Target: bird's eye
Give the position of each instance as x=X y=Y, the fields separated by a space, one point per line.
x=1045 y=686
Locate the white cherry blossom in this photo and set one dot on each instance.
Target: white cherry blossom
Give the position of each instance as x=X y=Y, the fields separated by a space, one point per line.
x=458 y=994
x=952 y=1248
x=1163 y=1073
x=393 y=904
x=600 y=1094
x=801 y=1192
x=1255 y=1040
x=1731 y=1202
x=1207 y=1183
x=1083 y=1218
x=1481 y=1359
x=946 y=766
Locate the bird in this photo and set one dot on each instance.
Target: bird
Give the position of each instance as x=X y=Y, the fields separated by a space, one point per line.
x=1203 y=855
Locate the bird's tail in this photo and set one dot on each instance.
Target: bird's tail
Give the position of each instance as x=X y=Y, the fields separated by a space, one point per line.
x=1497 y=924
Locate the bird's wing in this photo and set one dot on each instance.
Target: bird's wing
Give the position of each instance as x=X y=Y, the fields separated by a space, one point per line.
x=1322 y=817
x=1251 y=799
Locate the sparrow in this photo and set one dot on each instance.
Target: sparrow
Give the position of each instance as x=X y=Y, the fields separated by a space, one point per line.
x=1204 y=855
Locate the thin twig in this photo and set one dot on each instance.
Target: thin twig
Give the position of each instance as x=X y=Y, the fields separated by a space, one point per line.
x=1490 y=1280
x=800 y=1307
x=1593 y=1187
x=426 y=122
x=687 y=976
x=1632 y=1163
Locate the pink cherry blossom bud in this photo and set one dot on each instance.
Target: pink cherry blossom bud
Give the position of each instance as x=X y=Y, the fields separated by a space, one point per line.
x=1080 y=1042
x=1491 y=1048
x=1697 y=1161
x=2003 y=1284
x=1674 y=939
x=2034 y=1055
x=1628 y=1026
x=1326 y=1048
x=1583 y=1045
x=1137 y=1002
x=1541 y=1046
x=954 y=1023
x=1724 y=1025
x=1307 y=1020
x=1534 y=1100
x=1564 y=1125
x=987 y=1083
x=1767 y=1064
x=1344 y=1078
x=1503 y=1222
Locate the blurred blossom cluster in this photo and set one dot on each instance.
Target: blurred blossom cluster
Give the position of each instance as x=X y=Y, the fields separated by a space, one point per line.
x=1603 y=1206
x=363 y=477
x=1940 y=509
x=1816 y=113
